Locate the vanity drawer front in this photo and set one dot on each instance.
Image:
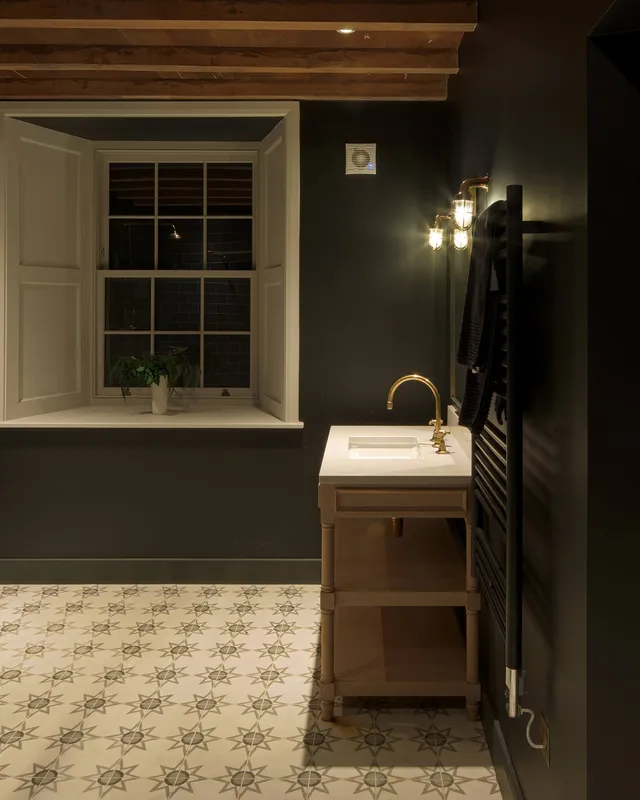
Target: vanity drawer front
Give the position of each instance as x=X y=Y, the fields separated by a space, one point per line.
x=401 y=502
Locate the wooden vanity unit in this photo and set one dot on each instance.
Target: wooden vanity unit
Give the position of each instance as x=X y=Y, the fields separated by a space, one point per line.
x=393 y=576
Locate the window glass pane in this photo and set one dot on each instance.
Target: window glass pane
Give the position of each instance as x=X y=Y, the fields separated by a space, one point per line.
x=230 y=244
x=180 y=243
x=229 y=190
x=131 y=243
x=180 y=190
x=132 y=189
x=227 y=361
x=127 y=304
x=227 y=304
x=164 y=343
x=177 y=304
x=116 y=345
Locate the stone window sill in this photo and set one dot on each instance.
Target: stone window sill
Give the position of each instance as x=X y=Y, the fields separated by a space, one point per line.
x=138 y=415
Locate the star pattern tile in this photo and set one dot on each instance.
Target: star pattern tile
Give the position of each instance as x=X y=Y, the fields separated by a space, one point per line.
x=191 y=691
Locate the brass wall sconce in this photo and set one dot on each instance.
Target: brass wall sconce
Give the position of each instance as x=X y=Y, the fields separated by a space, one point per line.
x=464 y=204
x=463 y=209
x=460 y=238
x=436 y=232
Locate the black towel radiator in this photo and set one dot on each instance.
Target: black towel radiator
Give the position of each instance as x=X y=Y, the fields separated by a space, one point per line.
x=497 y=470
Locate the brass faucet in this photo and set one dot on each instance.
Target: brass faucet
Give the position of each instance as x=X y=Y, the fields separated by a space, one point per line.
x=438 y=433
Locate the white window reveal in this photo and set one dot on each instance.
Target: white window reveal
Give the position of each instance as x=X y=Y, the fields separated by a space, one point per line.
x=177 y=266
x=116 y=249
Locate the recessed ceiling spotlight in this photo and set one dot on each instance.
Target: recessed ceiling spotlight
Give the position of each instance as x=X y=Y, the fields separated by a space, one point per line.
x=346 y=31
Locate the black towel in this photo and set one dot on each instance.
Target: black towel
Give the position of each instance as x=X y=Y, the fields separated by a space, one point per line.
x=486 y=252
x=476 y=347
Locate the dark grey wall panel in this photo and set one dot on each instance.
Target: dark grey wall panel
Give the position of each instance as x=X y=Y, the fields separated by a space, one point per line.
x=373 y=306
x=614 y=469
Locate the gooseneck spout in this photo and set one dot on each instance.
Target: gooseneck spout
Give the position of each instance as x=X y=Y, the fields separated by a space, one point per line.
x=420 y=379
x=438 y=433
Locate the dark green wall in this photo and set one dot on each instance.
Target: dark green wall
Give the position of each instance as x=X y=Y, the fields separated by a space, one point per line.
x=373 y=306
x=520 y=106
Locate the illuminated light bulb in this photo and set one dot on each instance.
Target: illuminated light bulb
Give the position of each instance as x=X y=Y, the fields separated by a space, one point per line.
x=460 y=239
x=463 y=213
x=436 y=238
x=346 y=31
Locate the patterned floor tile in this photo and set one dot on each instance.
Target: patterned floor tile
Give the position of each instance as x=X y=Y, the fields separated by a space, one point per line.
x=204 y=691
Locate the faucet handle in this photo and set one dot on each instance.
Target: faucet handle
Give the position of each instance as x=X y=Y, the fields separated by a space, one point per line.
x=439 y=442
x=434 y=423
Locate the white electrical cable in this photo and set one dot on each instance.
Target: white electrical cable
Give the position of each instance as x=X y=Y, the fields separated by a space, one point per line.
x=529 y=724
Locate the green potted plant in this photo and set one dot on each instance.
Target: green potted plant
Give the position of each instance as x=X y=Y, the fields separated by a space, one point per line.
x=163 y=373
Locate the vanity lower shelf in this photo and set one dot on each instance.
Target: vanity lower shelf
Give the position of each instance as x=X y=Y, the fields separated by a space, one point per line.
x=399 y=652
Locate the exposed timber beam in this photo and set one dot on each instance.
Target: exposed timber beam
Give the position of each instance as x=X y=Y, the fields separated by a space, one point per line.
x=25 y=58
x=427 y=87
x=386 y=15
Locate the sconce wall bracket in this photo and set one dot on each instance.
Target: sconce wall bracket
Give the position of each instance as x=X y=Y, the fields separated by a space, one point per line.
x=470 y=184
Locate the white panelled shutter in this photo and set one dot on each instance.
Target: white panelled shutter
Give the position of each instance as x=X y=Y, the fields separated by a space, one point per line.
x=278 y=339
x=48 y=222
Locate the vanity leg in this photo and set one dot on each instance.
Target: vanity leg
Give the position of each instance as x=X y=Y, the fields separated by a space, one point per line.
x=473 y=677
x=327 y=610
x=473 y=711
x=473 y=644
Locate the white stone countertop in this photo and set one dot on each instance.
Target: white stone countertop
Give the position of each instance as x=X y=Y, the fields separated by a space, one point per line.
x=429 y=469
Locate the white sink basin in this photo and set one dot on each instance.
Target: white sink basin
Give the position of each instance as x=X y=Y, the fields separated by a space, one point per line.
x=394 y=455
x=384 y=447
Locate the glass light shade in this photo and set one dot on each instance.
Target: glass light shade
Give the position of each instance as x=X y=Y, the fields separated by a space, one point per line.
x=460 y=240
x=436 y=238
x=463 y=214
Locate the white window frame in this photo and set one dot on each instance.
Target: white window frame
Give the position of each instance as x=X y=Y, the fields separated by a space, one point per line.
x=289 y=114
x=175 y=152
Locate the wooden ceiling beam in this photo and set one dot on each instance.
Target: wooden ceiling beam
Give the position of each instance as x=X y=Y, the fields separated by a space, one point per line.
x=24 y=58
x=385 y=15
x=424 y=87
x=300 y=40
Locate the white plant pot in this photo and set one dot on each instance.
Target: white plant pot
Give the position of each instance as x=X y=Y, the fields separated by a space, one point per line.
x=160 y=396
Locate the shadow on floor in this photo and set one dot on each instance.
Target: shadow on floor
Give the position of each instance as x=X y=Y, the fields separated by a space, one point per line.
x=389 y=740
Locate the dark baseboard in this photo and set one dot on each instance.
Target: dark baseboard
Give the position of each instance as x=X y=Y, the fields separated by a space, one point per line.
x=505 y=771
x=158 y=570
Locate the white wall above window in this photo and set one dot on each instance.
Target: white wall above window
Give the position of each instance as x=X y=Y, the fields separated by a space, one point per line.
x=51 y=304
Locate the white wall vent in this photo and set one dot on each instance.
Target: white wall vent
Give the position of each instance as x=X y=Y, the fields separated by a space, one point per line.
x=361 y=159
